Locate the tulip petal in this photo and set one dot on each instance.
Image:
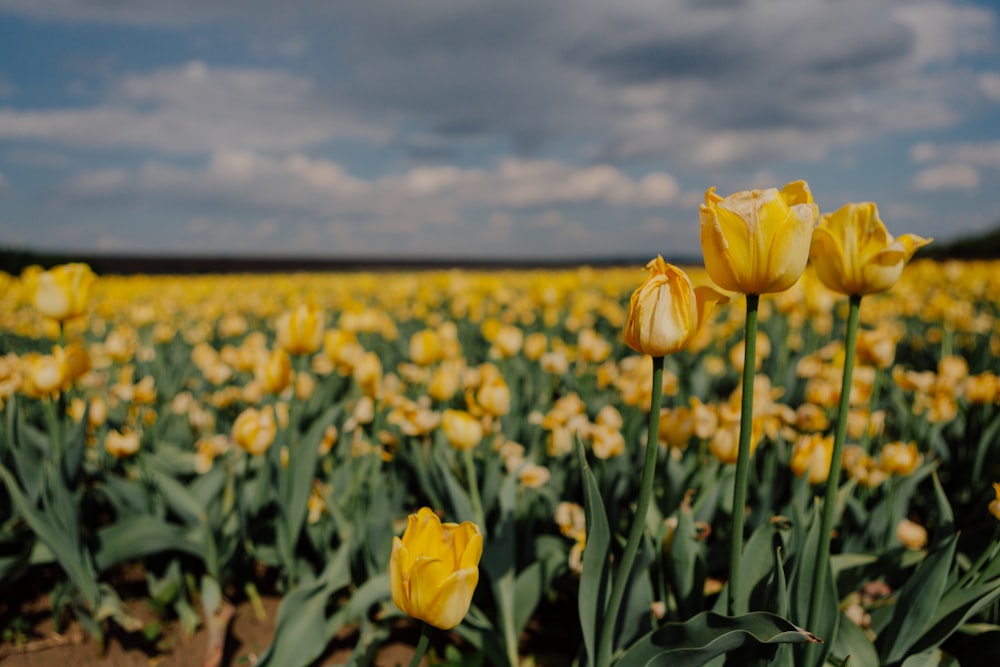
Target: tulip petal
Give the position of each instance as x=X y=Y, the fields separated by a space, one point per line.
x=453 y=597
x=400 y=564
x=706 y=298
x=796 y=192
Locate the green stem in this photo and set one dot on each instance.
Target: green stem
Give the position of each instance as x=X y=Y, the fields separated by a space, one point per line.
x=473 y=482
x=624 y=570
x=422 y=644
x=736 y=602
x=833 y=480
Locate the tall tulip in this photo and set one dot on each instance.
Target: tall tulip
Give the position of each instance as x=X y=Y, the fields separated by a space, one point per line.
x=757 y=241
x=434 y=569
x=854 y=253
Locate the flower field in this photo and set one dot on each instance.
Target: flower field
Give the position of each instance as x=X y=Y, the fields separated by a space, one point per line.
x=233 y=434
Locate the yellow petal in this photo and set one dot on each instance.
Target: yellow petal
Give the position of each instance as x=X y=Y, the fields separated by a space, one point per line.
x=452 y=600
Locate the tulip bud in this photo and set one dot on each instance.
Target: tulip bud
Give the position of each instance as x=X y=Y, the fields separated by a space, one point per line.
x=666 y=311
x=462 y=429
x=300 y=331
x=61 y=293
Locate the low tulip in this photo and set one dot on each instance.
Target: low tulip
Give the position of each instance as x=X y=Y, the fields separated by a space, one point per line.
x=434 y=569
x=666 y=312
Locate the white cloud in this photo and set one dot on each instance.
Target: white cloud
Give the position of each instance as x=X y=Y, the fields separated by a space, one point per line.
x=979 y=154
x=196 y=109
x=947 y=177
x=989 y=83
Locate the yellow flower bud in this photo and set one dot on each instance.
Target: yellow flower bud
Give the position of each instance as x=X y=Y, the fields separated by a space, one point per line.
x=254 y=430
x=812 y=454
x=912 y=535
x=300 y=331
x=45 y=374
x=425 y=347
x=900 y=458
x=462 y=429
x=855 y=254
x=434 y=569
x=61 y=293
x=121 y=444
x=994 y=505
x=666 y=311
x=757 y=241
x=275 y=374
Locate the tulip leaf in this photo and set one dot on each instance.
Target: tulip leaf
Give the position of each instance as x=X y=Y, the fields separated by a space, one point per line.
x=916 y=603
x=303 y=628
x=596 y=576
x=534 y=580
x=930 y=659
x=686 y=565
x=135 y=537
x=709 y=635
x=178 y=497
x=956 y=607
x=986 y=441
x=851 y=642
x=77 y=565
x=302 y=455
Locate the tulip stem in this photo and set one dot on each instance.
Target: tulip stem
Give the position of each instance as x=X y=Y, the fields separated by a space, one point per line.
x=473 y=482
x=833 y=480
x=422 y=644
x=624 y=570
x=737 y=605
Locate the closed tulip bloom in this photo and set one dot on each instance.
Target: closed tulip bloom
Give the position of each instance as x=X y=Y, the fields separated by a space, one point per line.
x=900 y=458
x=254 y=430
x=425 y=347
x=855 y=254
x=666 y=312
x=121 y=444
x=61 y=293
x=462 y=429
x=994 y=505
x=812 y=455
x=434 y=569
x=275 y=373
x=757 y=241
x=45 y=374
x=300 y=331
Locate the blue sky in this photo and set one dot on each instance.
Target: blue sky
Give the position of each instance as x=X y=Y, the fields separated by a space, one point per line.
x=441 y=128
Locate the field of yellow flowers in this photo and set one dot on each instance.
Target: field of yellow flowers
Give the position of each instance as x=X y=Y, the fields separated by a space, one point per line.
x=309 y=433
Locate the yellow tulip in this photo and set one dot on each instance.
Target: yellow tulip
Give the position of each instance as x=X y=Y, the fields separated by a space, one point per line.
x=275 y=371
x=254 y=430
x=300 y=331
x=462 y=429
x=855 y=254
x=900 y=458
x=425 y=347
x=666 y=311
x=61 y=293
x=757 y=241
x=121 y=444
x=812 y=454
x=45 y=374
x=994 y=505
x=434 y=569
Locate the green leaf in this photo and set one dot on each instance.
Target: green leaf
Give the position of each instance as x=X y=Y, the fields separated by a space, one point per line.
x=852 y=642
x=686 y=565
x=916 y=604
x=596 y=576
x=709 y=635
x=930 y=659
x=133 y=538
x=302 y=628
x=76 y=564
x=956 y=607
